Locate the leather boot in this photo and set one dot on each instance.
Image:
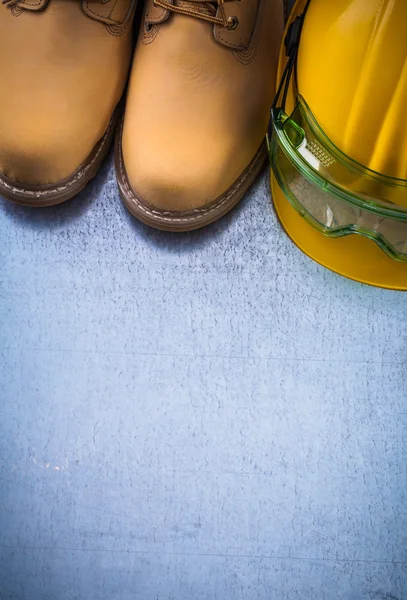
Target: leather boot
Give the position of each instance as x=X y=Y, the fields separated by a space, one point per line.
x=63 y=67
x=201 y=87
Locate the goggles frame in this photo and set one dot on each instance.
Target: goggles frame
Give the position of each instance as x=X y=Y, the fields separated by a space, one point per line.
x=278 y=140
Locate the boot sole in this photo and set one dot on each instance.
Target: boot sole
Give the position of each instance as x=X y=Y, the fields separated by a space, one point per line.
x=190 y=219
x=56 y=193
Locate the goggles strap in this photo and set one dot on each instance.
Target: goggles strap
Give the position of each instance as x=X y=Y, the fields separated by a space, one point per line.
x=291 y=42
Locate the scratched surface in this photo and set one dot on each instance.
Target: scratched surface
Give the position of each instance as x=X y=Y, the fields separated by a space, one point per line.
x=209 y=416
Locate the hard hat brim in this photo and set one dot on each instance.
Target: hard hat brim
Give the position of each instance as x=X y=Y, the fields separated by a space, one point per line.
x=352 y=256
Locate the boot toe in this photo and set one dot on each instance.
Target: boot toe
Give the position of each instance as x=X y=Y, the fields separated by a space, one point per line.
x=42 y=158
x=41 y=166
x=188 y=188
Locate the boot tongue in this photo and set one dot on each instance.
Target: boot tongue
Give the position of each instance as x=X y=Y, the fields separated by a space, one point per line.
x=204 y=8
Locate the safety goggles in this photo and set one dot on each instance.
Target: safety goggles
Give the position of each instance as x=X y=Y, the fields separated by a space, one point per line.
x=333 y=193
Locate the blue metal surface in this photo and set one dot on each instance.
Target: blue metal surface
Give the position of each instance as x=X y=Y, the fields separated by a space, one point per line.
x=208 y=416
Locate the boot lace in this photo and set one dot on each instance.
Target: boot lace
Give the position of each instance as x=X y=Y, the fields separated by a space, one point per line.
x=9 y=3
x=201 y=9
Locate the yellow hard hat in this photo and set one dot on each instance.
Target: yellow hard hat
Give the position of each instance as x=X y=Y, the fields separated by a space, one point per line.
x=338 y=137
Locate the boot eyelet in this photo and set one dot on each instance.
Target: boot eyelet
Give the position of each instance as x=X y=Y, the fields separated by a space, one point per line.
x=232 y=23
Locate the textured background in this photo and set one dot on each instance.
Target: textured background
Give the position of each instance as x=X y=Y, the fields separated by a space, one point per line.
x=208 y=416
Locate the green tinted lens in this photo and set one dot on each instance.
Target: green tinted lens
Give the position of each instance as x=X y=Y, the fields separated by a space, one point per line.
x=336 y=195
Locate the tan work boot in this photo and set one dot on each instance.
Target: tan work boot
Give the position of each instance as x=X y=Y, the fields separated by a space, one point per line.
x=63 y=68
x=201 y=88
